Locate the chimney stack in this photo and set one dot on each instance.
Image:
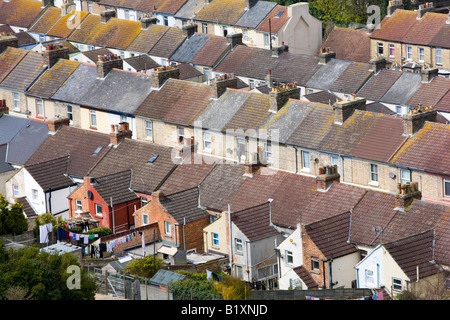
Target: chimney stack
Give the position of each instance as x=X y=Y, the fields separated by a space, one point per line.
x=8 y=41
x=147 y=21
x=3 y=108
x=269 y=79
x=344 y=109
x=119 y=132
x=220 y=84
x=234 y=39
x=67 y=7
x=106 y=63
x=424 y=8
x=189 y=30
x=56 y=123
x=376 y=64
x=54 y=52
x=278 y=51
x=429 y=74
x=326 y=55
x=106 y=15
x=250 y=3
x=161 y=74
x=394 y=5
x=406 y=193
x=281 y=94
x=327 y=175
x=413 y=120
x=158 y=195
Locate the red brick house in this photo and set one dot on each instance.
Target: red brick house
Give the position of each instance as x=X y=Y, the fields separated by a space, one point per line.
x=180 y=218
x=108 y=199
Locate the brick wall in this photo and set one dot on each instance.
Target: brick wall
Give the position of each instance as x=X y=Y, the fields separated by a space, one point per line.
x=310 y=251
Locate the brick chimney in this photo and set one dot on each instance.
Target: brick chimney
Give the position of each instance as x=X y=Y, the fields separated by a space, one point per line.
x=281 y=94
x=158 y=195
x=424 y=8
x=146 y=22
x=105 y=16
x=406 y=193
x=67 y=7
x=234 y=39
x=8 y=41
x=413 y=120
x=429 y=74
x=119 y=132
x=189 y=30
x=394 y=5
x=54 y=52
x=3 y=108
x=376 y=64
x=161 y=74
x=343 y=109
x=327 y=175
x=269 y=79
x=56 y=123
x=278 y=51
x=220 y=84
x=106 y=63
x=250 y=3
x=326 y=55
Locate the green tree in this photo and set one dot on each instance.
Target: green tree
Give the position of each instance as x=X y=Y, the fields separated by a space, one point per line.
x=233 y=289
x=190 y=289
x=41 y=275
x=144 y=267
x=12 y=219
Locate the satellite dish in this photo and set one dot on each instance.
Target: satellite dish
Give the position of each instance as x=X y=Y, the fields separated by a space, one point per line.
x=391 y=175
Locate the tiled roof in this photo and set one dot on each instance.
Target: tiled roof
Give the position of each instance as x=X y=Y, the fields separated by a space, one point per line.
x=142 y=62
x=170 y=6
x=190 y=9
x=184 y=205
x=234 y=59
x=168 y=43
x=441 y=39
x=444 y=103
x=20 y=13
x=403 y=89
x=353 y=78
x=379 y=84
x=331 y=235
x=93 y=54
x=225 y=12
x=327 y=74
x=67 y=24
x=53 y=78
x=177 y=101
x=275 y=23
x=147 y=38
x=9 y=59
x=51 y=174
x=395 y=27
x=25 y=73
x=425 y=150
x=305 y=275
x=379 y=108
x=348 y=44
x=253 y=17
x=78 y=144
x=85 y=33
x=162 y=6
x=254 y=222
x=429 y=94
x=414 y=252
x=211 y=53
x=189 y=48
x=323 y=96
x=188 y=71
x=24 y=37
x=133 y=154
x=115 y=186
x=27 y=208
x=46 y=21
x=425 y=29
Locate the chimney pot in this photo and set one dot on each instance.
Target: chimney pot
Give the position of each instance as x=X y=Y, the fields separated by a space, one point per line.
x=221 y=83
x=56 y=123
x=344 y=109
x=117 y=135
x=413 y=120
x=53 y=53
x=281 y=94
x=161 y=74
x=106 y=63
x=406 y=193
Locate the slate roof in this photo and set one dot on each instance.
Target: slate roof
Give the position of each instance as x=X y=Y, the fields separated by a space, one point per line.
x=275 y=23
x=403 y=89
x=25 y=73
x=10 y=126
x=254 y=222
x=424 y=150
x=414 y=252
x=164 y=277
x=168 y=43
x=184 y=205
x=4 y=166
x=133 y=154
x=189 y=48
x=120 y=91
x=222 y=11
x=379 y=84
x=177 y=101
x=115 y=186
x=147 y=38
x=190 y=9
x=47 y=85
x=142 y=62
x=9 y=59
x=20 y=13
x=26 y=141
x=306 y=277
x=50 y=174
x=211 y=53
x=429 y=94
x=348 y=44
x=331 y=235
x=78 y=144
x=253 y=17
x=353 y=78
x=327 y=74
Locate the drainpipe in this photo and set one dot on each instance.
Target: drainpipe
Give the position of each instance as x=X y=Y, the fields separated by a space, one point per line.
x=230 y=241
x=246 y=258
x=184 y=238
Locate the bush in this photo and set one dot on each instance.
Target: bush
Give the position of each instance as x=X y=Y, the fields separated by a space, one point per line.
x=190 y=289
x=144 y=267
x=12 y=219
x=100 y=231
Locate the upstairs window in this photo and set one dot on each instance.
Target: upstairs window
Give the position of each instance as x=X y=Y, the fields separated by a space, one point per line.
x=266 y=40
x=447 y=187
x=438 y=56
x=39 y=108
x=374 y=173
x=148 y=129
x=380 y=48
x=93 y=118
x=215 y=239
x=409 y=52
x=421 y=54
x=289 y=257
x=167 y=228
x=305 y=160
x=16 y=101
x=238 y=245
x=391 y=50
x=405 y=176
x=98 y=210
x=69 y=112
x=207 y=141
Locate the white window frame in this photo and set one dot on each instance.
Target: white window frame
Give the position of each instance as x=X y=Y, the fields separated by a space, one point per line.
x=180 y=133
x=245 y=34
x=69 y=112
x=374 y=173
x=306 y=165
x=397 y=286
x=207 y=141
x=391 y=50
x=40 y=108
x=266 y=40
x=89 y=6
x=16 y=101
x=34 y=195
x=93 y=118
x=144 y=218
x=167 y=228
x=215 y=239
x=78 y=205
x=409 y=52
x=369 y=276
x=144 y=201
x=421 y=54
x=289 y=257
x=439 y=56
x=405 y=176
x=204 y=27
x=269 y=153
x=15 y=188
x=447 y=188
x=148 y=129
x=238 y=245
x=334 y=160
x=98 y=210
x=399 y=110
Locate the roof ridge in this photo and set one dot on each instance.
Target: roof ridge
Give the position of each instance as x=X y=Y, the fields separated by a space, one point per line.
x=46 y=161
